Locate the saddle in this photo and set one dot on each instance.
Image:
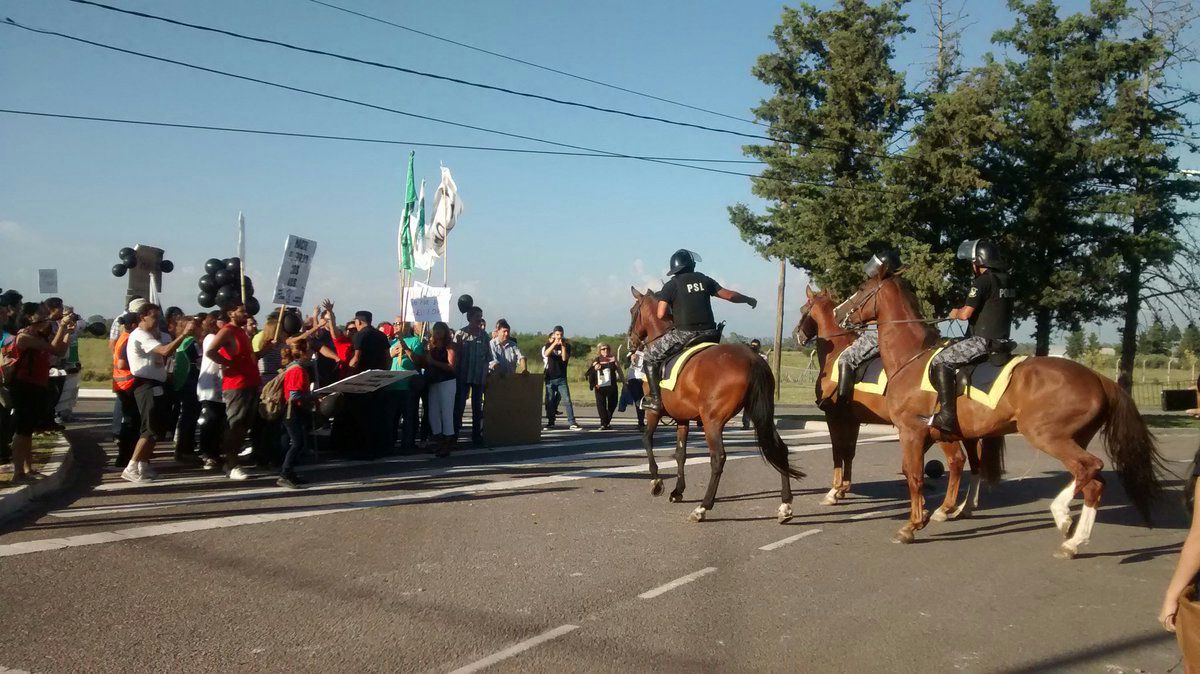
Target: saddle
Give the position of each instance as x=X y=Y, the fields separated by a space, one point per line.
x=869 y=377
x=673 y=365
x=985 y=381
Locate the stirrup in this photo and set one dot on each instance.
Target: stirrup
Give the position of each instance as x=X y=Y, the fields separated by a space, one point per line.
x=651 y=403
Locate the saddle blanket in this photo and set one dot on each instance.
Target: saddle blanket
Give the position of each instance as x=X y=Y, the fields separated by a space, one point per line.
x=674 y=364
x=983 y=382
x=869 y=377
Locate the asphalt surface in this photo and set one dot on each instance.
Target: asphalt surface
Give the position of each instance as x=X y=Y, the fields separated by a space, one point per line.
x=555 y=558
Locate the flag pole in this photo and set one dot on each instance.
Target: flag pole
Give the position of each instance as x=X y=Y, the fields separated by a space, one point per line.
x=242 y=254
x=278 y=323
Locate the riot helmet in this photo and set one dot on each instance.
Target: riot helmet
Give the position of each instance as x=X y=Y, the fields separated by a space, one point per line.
x=683 y=261
x=882 y=264
x=981 y=252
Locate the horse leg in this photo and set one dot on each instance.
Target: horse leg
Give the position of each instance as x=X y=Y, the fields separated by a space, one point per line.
x=913 y=446
x=955 y=460
x=843 y=435
x=716 y=459
x=1092 y=491
x=656 y=483
x=785 y=498
x=681 y=435
x=974 y=458
x=1085 y=472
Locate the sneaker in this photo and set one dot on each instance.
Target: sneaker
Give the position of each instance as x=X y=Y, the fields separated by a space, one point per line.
x=245 y=452
x=131 y=474
x=148 y=471
x=210 y=464
x=549 y=426
x=606 y=427
x=576 y=427
x=299 y=480
x=287 y=483
x=238 y=474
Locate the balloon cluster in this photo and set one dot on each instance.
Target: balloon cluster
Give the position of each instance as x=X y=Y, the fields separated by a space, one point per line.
x=128 y=258
x=221 y=286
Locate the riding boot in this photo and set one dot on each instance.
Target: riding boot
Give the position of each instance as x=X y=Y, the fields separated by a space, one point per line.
x=845 y=387
x=651 y=401
x=946 y=419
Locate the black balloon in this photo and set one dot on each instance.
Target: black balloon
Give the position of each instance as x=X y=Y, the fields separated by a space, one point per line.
x=227 y=292
x=167 y=266
x=291 y=323
x=934 y=469
x=119 y=270
x=224 y=278
x=249 y=286
x=127 y=254
x=233 y=264
x=252 y=306
x=465 y=302
x=130 y=262
x=208 y=284
x=205 y=300
x=213 y=265
x=225 y=304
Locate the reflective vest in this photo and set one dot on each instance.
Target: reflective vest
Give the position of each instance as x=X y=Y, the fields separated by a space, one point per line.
x=122 y=378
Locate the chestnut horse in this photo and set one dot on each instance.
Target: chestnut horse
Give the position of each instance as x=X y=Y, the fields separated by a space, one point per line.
x=715 y=385
x=1057 y=404
x=817 y=323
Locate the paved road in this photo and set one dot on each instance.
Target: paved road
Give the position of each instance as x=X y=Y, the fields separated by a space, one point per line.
x=556 y=558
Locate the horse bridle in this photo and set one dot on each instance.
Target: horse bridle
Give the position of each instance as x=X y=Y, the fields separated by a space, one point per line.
x=805 y=314
x=873 y=295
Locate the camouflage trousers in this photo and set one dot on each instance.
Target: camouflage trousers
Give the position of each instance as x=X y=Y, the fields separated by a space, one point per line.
x=962 y=352
x=670 y=343
x=863 y=349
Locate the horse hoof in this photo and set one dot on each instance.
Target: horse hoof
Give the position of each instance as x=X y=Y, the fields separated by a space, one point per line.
x=697 y=514
x=1065 y=552
x=903 y=536
x=675 y=497
x=939 y=515
x=831 y=498
x=656 y=488
x=785 y=513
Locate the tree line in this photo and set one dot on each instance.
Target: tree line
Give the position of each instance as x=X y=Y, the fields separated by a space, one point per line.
x=1063 y=149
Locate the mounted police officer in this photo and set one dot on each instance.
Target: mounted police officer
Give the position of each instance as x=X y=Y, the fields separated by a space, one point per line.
x=687 y=297
x=988 y=312
x=881 y=265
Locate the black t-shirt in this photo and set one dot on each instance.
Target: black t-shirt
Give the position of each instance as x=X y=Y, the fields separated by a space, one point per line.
x=992 y=300
x=374 y=349
x=690 y=296
x=556 y=367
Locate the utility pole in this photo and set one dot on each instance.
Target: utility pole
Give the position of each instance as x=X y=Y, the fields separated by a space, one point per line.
x=778 y=355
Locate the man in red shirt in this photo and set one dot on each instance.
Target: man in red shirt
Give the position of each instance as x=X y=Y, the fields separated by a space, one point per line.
x=239 y=385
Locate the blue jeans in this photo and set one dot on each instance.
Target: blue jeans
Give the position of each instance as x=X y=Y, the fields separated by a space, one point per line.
x=297 y=427
x=475 y=393
x=557 y=390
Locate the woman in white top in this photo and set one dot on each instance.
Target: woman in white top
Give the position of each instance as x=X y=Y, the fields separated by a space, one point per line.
x=635 y=374
x=208 y=390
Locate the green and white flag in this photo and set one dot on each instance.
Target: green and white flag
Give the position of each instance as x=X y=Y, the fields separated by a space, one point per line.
x=423 y=254
x=410 y=203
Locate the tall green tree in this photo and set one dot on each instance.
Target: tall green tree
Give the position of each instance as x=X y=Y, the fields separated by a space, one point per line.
x=1154 y=340
x=1189 y=342
x=1173 y=335
x=1054 y=87
x=1076 y=346
x=1094 y=344
x=837 y=103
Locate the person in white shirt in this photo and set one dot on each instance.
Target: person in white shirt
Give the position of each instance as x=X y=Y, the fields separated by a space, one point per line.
x=147 y=357
x=208 y=390
x=635 y=374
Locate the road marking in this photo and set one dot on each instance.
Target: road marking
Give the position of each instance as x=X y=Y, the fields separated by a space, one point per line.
x=516 y=649
x=199 y=524
x=651 y=594
x=790 y=539
x=863 y=516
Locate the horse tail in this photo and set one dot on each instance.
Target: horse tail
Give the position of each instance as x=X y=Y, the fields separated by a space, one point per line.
x=760 y=404
x=991 y=459
x=1133 y=449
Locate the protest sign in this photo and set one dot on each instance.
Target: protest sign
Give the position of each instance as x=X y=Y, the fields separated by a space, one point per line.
x=293 y=271
x=47 y=281
x=428 y=304
x=365 y=382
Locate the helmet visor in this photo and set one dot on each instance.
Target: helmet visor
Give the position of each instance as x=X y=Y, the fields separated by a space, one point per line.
x=873 y=266
x=966 y=249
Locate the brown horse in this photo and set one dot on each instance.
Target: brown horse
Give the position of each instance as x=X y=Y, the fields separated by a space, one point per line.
x=715 y=385
x=1057 y=404
x=817 y=323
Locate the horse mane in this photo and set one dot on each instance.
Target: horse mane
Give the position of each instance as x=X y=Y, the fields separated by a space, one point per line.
x=931 y=334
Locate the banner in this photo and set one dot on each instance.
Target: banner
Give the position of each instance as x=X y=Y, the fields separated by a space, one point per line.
x=428 y=304
x=293 y=271
x=48 y=281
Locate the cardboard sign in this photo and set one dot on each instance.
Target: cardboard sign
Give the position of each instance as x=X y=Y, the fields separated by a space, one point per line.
x=512 y=414
x=149 y=266
x=293 y=271
x=47 y=281
x=427 y=304
x=365 y=382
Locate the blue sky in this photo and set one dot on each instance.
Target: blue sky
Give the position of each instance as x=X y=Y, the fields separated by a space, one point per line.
x=543 y=240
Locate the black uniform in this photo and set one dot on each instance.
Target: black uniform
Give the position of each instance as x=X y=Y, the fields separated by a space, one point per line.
x=690 y=296
x=989 y=325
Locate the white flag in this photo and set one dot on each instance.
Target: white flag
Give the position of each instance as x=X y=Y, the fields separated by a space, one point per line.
x=423 y=254
x=446 y=209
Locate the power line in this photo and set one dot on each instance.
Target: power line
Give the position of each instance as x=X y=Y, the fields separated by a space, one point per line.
x=10 y=22
x=355 y=139
x=478 y=85
x=419 y=73
x=535 y=65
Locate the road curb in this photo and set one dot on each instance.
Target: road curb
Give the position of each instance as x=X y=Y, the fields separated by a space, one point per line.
x=96 y=394
x=58 y=471
x=815 y=425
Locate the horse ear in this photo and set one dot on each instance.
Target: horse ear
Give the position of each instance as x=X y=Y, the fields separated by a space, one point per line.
x=636 y=295
x=808 y=291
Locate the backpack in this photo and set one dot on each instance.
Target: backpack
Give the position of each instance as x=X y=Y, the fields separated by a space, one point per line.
x=271 y=403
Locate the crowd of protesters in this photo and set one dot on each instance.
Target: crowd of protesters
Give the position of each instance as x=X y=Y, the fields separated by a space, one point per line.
x=227 y=394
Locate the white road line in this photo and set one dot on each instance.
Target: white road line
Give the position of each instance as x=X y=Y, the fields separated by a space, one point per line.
x=790 y=539
x=863 y=516
x=516 y=649
x=651 y=594
x=199 y=524
x=317 y=488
